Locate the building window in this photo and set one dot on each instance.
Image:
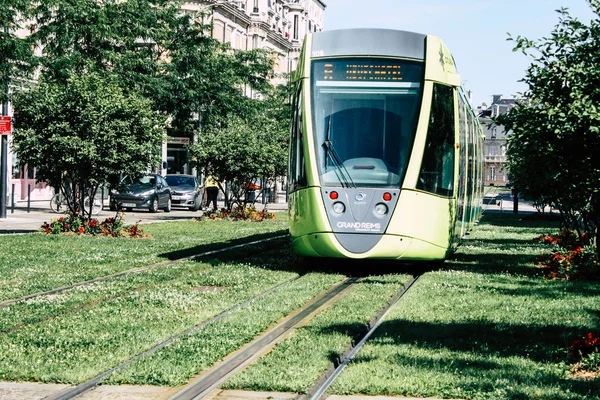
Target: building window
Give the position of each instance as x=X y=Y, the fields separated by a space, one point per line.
x=295 y=27
x=492 y=174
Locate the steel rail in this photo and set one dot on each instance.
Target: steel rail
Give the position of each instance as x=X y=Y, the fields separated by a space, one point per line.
x=72 y=392
x=214 y=377
x=138 y=270
x=330 y=375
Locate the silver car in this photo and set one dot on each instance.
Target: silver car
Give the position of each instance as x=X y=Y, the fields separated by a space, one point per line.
x=186 y=191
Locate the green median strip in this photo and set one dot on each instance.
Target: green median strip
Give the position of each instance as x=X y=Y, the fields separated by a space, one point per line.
x=297 y=362
x=35 y=310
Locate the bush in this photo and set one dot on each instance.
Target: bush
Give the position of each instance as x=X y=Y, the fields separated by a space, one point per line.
x=76 y=224
x=585 y=353
x=572 y=257
x=239 y=214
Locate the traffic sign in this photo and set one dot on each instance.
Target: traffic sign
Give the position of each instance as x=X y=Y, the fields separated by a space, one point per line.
x=5 y=125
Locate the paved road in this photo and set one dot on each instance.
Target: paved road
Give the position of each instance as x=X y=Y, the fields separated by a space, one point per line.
x=24 y=221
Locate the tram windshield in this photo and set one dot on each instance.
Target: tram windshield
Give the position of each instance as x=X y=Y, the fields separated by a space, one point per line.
x=365 y=113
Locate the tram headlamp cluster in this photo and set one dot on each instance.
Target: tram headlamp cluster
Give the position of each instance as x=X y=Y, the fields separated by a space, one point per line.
x=339 y=207
x=381 y=209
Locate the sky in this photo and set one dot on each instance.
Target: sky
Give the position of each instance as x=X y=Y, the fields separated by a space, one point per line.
x=475 y=32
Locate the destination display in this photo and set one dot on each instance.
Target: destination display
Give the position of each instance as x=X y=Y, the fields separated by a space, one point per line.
x=374 y=70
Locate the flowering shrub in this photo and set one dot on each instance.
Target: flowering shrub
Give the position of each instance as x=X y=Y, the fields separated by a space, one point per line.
x=585 y=353
x=239 y=214
x=75 y=224
x=572 y=256
x=566 y=238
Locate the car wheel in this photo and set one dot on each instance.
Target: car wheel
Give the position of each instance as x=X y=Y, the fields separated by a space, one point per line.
x=154 y=205
x=168 y=207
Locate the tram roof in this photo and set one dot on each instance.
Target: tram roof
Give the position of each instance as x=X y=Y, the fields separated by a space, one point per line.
x=369 y=42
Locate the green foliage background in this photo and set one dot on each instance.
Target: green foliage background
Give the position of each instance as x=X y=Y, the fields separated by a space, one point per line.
x=553 y=149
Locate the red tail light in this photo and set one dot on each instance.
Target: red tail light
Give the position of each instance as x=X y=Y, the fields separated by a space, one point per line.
x=333 y=195
x=387 y=196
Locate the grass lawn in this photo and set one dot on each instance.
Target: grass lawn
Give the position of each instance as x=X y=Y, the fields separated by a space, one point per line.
x=485 y=326
x=38 y=262
x=84 y=342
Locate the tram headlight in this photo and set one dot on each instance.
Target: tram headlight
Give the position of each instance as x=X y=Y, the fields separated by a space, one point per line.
x=338 y=207
x=381 y=209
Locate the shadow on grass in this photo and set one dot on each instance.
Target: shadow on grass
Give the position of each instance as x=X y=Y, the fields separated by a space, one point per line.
x=484 y=353
x=517 y=221
x=366 y=267
x=191 y=251
x=500 y=242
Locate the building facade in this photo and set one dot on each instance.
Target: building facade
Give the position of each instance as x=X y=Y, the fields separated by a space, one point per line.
x=496 y=140
x=276 y=25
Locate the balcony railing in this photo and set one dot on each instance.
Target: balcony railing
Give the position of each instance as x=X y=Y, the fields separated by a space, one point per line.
x=489 y=158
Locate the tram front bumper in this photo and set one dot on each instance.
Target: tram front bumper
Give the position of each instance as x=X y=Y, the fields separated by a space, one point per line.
x=390 y=247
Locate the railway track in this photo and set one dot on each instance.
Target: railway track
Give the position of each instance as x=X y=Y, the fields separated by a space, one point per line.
x=244 y=356
x=75 y=391
x=212 y=379
x=139 y=270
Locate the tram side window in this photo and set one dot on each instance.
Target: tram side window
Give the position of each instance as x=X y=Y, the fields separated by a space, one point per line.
x=297 y=167
x=437 y=168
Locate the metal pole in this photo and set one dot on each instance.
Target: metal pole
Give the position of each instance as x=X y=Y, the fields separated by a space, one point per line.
x=28 y=197
x=12 y=202
x=4 y=152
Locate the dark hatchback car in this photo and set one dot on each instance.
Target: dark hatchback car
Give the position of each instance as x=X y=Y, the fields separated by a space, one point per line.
x=186 y=191
x=149 y=191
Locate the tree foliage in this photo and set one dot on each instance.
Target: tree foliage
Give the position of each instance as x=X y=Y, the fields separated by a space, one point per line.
x=553 y=150
x=81 y=133
x=150 y=49
x=15 y=52
x=241 y=152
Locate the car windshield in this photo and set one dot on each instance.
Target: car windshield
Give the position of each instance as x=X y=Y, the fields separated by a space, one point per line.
x=144 y=180
x=180 y=181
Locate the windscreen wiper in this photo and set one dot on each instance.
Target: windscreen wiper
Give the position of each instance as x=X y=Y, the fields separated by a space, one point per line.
x=340 y=170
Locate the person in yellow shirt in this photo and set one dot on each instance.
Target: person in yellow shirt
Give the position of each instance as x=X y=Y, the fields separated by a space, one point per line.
x=212 y=191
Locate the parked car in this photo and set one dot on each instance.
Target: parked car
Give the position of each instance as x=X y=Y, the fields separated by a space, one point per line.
x=149 y=191
x=186 y=191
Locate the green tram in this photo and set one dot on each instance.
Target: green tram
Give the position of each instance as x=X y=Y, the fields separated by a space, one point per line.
x=385 y=150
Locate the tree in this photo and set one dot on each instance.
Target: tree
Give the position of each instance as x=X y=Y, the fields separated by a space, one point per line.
x=240 y=152
x=553 y=151
x=15 y=53
x=79 y=134
x=204 y=79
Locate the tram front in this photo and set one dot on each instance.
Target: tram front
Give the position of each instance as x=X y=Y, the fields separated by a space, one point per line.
x=365 y=100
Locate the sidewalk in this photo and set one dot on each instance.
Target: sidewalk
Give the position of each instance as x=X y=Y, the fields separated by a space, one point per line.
x=21 y=221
